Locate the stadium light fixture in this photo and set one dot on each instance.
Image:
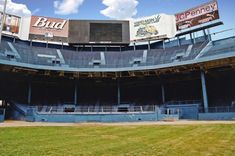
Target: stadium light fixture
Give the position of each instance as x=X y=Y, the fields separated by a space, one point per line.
x=3 y=19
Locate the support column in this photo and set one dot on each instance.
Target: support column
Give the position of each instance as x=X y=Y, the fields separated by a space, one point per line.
x=209 y=34
x=163 y=94
x=149 y=46
x=118 y=92
x=14 y=40
x=75 y=93
x=134 y=47
x=178 y=40
x=3 y=19
x=31 y=43
x=204 y=92
x=29 y=93
x=194 y=38
x=47 y=43
x=163 y=44
x=204 y=33
x=191 y=38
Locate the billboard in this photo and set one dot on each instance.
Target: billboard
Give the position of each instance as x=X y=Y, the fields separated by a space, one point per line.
x=153 y=27
x=198 y=15
x=45 y=27
x=11 y=24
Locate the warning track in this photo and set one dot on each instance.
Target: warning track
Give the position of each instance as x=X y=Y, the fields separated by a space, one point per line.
x=44 y=124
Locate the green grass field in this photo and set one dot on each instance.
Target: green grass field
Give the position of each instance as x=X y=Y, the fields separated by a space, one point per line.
x=155 y=140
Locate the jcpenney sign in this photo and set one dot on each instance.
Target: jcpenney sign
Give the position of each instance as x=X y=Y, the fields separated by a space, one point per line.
x=43 y=25
x=198 y=15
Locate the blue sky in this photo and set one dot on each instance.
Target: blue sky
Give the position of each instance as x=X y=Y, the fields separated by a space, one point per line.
x=90 y=9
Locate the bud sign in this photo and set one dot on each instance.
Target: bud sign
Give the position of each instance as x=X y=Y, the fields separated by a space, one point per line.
x=46 y=25
x=43 y=22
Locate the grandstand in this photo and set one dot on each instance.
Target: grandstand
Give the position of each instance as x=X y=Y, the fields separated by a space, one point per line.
x=140 y=82
x=183 y=77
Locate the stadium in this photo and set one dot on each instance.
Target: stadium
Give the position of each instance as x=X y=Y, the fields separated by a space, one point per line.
x=162 y=84
x=57 y=70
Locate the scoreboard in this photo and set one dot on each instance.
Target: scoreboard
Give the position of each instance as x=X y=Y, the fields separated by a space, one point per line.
x=106 y=32
x=98 y=32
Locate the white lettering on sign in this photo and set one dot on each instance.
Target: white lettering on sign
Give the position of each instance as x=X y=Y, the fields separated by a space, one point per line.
x=45 y=23
x=196 y=12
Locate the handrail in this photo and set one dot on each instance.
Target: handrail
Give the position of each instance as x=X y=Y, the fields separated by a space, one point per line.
x=93 y=109
x=184 y=102
x=219 y=32
x=218 y=109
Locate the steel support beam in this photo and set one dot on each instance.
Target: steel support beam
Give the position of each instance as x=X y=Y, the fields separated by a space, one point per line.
x=149 y=45
x=204 y=33
x=204 y=91
x=134 y=47
x=118 y=92
x=191 y=38
x=194 y=38
x=209 y=35
x=75 y=93
x=3 y=19
x=163 y=44
x=163 y=94
x=178 y=40
x=29 y=93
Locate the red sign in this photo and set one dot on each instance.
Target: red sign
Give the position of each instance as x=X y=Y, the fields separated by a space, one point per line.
x=49 y=26
x=198 y=15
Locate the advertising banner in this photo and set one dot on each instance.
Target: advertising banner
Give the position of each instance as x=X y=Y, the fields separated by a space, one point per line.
x=154 y=27
x=198 y=15
x=49 y=27
x=11 y=24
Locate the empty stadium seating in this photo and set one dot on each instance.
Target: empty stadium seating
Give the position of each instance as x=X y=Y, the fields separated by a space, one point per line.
x=221 y=47
x=55 y=57
x=58 y=57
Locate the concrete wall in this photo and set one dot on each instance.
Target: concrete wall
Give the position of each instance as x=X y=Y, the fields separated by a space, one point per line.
x=216 y=116
x=187 y=111
x=32 y=116
x=1 y=118
x=2 y=115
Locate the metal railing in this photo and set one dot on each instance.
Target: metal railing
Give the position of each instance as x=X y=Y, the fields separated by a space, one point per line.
x=93 y=109
x=220 y=109
x=183 y=102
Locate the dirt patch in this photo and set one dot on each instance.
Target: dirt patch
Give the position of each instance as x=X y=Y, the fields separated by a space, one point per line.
x=44 y=124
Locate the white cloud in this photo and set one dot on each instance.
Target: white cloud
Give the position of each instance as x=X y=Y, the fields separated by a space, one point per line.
x=66 y=7
x=120 y=9
x=15 y=8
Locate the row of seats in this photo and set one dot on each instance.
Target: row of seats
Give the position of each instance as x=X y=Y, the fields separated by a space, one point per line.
x=221 y=47
x=54 y=57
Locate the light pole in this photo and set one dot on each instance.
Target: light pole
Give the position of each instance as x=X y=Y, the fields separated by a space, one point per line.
x=3 y=19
